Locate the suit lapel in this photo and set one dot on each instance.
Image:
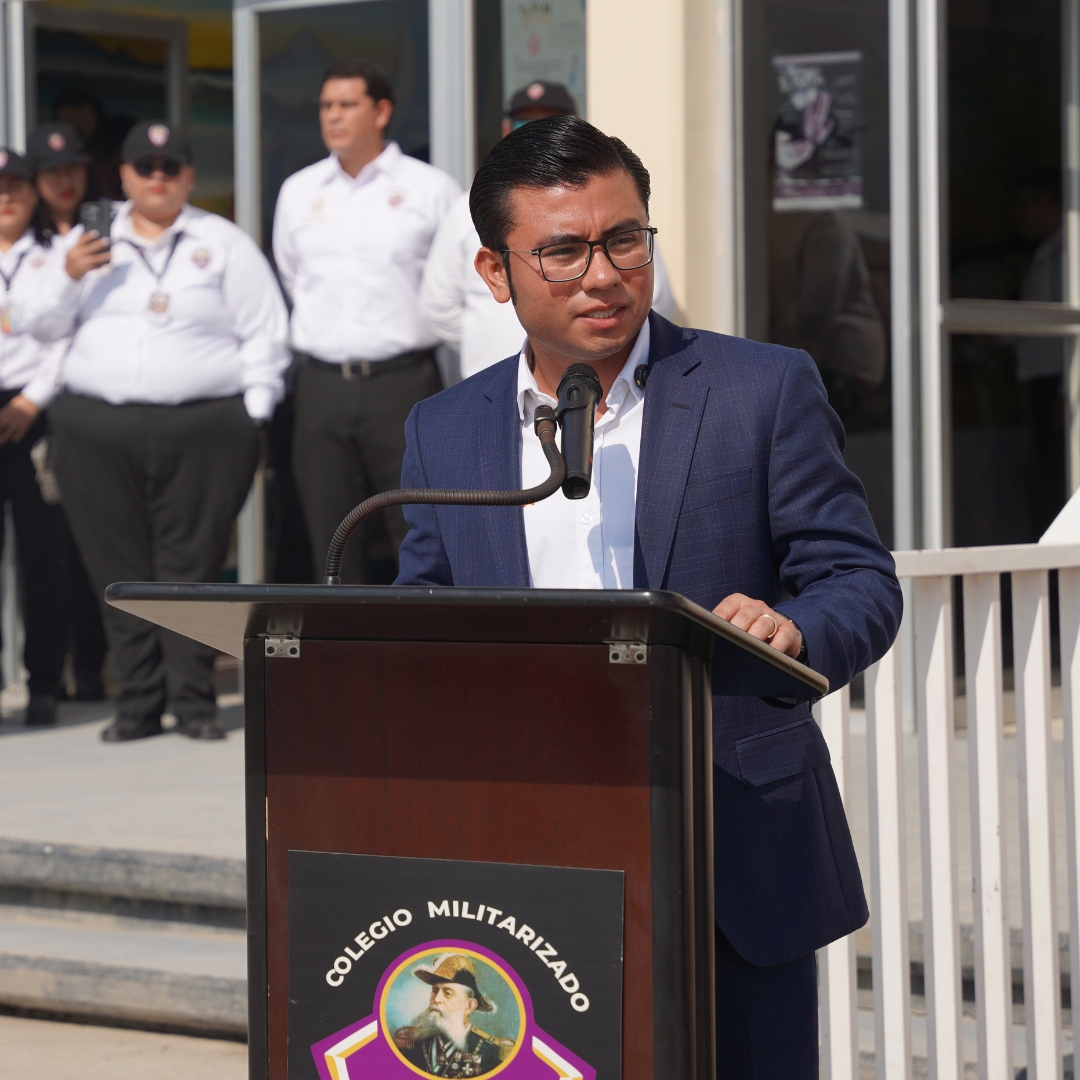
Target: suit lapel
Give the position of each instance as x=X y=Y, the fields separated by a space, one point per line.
x=674 y=405
x=499 y=469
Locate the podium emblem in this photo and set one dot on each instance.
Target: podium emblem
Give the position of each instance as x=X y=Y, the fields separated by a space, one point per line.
x=403 y=968
x=448 y=1008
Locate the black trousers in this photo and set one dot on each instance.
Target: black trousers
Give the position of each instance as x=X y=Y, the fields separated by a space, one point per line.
x=766 y=1017
x=151 y=492
x=348 y=444
x=86 y=632
x=39 y=539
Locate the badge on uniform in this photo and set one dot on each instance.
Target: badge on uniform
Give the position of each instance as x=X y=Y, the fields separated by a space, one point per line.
x=201 y=258
x=396 y=198
x=7 y=318
x=159 y=302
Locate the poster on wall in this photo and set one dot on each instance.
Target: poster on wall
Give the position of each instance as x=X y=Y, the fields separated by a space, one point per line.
x=817 y=163
x=427 y=967
x=544 y=39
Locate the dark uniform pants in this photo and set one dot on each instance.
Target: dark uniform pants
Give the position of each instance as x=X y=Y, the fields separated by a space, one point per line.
x=86 y=632
x=151 y=492
x=766 y=1017
x=349 y=443
x=39 y=539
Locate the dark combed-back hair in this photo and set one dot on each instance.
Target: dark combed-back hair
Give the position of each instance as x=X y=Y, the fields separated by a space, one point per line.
x=546 y=153
x=376 y=80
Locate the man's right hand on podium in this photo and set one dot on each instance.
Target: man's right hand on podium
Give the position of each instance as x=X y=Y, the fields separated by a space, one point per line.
x=762 y=622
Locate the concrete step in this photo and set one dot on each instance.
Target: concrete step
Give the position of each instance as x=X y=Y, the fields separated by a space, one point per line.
x=186 y=888
x=142 y=938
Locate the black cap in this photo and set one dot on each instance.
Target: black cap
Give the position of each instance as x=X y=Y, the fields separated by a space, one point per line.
x=55 y=143
x=156 y=138
x=542 y=95
x=13 y=164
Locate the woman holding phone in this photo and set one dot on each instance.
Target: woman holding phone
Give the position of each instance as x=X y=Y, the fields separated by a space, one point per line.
x=62 y=178
x=177 y=353
x=27 y=385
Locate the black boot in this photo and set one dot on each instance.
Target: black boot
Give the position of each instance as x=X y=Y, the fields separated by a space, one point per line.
x=126 y=728
x=41 y=712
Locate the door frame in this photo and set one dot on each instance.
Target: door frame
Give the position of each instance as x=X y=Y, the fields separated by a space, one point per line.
x=452 y=128
x=23 y=17
x=451 y=103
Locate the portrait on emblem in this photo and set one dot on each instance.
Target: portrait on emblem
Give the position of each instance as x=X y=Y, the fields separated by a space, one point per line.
x=453 y=1013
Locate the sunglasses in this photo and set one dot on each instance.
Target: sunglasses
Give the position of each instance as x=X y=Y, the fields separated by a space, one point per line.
x=147 y=166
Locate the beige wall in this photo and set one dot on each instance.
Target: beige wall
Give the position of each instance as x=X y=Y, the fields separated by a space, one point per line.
x=671 y=107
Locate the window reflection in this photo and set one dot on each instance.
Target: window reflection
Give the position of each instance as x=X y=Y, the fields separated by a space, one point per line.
x=818 y=117
x=1008 y=440
x=1004 y=129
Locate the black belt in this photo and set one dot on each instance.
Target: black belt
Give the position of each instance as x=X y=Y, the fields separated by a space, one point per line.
x=367 y=369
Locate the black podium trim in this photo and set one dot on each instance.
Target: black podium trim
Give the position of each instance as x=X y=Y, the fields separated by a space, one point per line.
x=224 y=615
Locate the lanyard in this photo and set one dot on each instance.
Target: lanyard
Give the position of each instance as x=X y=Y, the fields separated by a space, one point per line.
x=141 y=251
x=9 y=278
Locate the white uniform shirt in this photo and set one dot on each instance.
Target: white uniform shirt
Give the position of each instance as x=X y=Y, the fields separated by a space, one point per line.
x=223 y=333
x=25 y=364
x=460 y=308
x=586 y=543
x=351 y=253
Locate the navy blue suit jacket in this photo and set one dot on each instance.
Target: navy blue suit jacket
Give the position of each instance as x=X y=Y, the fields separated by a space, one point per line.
x=742 y=487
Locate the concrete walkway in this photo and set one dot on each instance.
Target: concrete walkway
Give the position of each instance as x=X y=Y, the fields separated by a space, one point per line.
x=51 y=1051
x=169 y=793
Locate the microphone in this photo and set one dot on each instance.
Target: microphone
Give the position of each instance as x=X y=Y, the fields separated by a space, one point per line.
x=579 y=394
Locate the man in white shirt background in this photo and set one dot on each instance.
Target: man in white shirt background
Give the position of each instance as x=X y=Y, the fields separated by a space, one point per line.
x=454 y=298
x=351 y=235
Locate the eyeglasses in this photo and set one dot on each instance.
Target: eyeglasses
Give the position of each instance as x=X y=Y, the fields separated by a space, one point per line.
x=567 y=262
x=147 y=166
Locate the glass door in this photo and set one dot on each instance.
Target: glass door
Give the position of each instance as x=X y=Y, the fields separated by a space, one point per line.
x=1008 y=268
x=818 y=253
x=100 y=71
x=280 y=50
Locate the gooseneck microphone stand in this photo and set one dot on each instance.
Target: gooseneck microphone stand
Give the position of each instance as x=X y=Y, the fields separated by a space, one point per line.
x=579 y=393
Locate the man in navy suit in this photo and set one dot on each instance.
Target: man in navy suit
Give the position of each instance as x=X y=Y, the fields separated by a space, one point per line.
x=719 y=474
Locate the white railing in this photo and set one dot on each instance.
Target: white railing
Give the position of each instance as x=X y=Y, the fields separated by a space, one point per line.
x=931 y=618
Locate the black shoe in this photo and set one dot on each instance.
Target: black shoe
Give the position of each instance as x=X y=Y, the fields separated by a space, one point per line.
x=126 y=728
x=41 y=712
x=88 y=687
x=206 y=728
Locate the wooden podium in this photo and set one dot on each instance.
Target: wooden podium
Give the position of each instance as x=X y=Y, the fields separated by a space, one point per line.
x=546 y=728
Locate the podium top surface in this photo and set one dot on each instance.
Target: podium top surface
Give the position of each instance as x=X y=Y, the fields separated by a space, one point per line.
x=223 y=615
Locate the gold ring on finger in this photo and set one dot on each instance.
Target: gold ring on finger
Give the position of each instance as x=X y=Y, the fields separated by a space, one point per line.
x=775 y=626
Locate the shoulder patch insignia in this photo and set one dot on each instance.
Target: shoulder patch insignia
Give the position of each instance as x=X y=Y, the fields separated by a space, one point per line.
x=504 y=1046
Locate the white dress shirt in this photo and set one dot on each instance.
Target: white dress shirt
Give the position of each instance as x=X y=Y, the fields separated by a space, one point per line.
x=223 y=332
x=460 y=308
x=351 y=252
x=586 y=543
x=25 y=364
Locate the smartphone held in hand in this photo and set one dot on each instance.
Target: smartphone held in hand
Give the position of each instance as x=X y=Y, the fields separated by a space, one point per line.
x=97 y=215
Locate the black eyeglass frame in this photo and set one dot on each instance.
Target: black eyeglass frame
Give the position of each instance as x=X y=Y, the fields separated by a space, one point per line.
x=650 y=230
x=169 y=167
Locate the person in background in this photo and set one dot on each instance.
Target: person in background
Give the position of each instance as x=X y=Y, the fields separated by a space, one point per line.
x=27 y=380
x=453 y=296
x=351 y=235
x=80 y=111
x=177 y=354
x=61 y=175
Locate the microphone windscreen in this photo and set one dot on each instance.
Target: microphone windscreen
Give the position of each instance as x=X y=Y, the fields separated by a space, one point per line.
x=586 y=373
